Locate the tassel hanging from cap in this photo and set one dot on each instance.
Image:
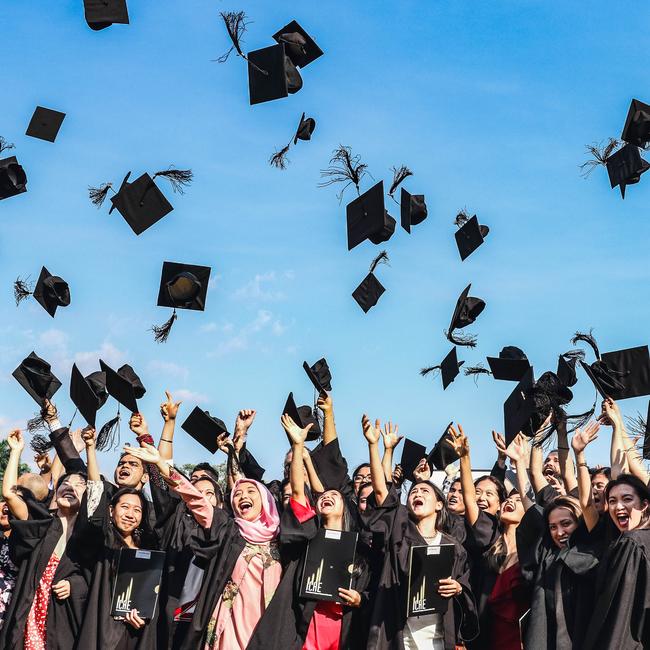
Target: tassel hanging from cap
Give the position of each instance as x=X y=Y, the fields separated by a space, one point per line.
x=475 y=371
x=399 y=174
x=98 y=194
x=461 y=218
x=40 y=444
x=279 y=158
x=637 y=425
x=588 y=339
x=465 y=340
x=21 y=290
x=431 y=370
x=4 y=145
x=382 y=258
x=109 y=435
x=600 y=153
x=161 y=332
x=236 y=24
x=344 y=168
x=178 y=178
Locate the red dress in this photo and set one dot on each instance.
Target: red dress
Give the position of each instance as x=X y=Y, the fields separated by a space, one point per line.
x=35 y=627
x=508 y=602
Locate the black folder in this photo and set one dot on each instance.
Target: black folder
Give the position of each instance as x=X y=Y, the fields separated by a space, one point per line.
x=428 y=565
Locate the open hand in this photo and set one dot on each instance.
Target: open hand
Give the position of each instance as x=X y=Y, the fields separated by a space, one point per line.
x=16 y=441
x=295 y=433
x=390 y=437
x=370 y=432
x=169 y=409
x=458 y=440
x=582 y=437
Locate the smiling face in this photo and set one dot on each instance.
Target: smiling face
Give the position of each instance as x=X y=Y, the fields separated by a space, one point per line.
x=206 y=488
x=330 y=506
x=561 y=523
x=551 y=464
x=247 y=501
x=455 y=501
x=598 y=484
x=512 y=510
x=422 y=501
x=625 y=507
x=361 y=477
x=487 y=497
x=130 y=472
x=127 y=514
x=70 y=492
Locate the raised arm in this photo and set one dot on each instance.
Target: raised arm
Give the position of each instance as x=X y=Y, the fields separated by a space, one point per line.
x=517 y=451
x=52 y=421
x=314 y=479
x=391 y=440
x=580 y=440
x=567 y=470
x=326 y=405
x=15 y=504
x=168 y=411
x=372 y=434
x=460 y=443
x=499 y=467
x=297 y=436
x=89 y=438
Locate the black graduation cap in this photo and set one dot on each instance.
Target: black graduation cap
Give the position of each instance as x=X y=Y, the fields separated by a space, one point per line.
x=305 y=128
x=302 y=416
x=510 y=365
x=367 y=218
x=632 y=368
x=566 y=368
x=625 y=167
x=412 y=454
x=367 y=294
x=50 y=291
x=470 y=235
x=519 y=407
x=103 y=13
x=124 y=385
x=449 y=368
x=443 y=453
x=467 y=310
x=299 y=45
x=637 y=124
x=35 y=376
x=413 y=210
x=45 y=124
x=88 y=394
x=271 y=74
x=13 y=179
x=204 y=428
x=182 y=286
x=319 y=375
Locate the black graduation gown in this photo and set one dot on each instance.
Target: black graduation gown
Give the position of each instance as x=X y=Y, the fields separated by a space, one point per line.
x=570 y=571
x=388 y=617
x=99 y=630
x=289 y=616
x=621 y=614
x=331 y=467
x=31 y=545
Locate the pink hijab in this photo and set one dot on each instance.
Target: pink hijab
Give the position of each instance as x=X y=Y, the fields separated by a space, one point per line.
x=266 y=527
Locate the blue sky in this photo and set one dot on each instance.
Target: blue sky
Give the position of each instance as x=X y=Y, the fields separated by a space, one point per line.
x=490 y=105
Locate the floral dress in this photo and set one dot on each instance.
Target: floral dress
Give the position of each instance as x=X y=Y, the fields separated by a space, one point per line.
x=8 y=573
x=35 y=627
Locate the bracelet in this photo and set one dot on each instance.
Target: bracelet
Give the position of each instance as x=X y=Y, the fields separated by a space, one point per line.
x=166 y=440
x=583 y=465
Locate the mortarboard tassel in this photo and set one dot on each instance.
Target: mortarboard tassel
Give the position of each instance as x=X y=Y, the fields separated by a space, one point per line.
x=588 y=339
x=39 y=422
x=476 y=370
x=279 y=158
x=579 y=421
x=382 y=258
x=344 y=168
x=161 y=332
x=600 y=153
x=466 y=340
x=98 y=194
x=637 y=425
x=432 y=369
x=236 y=24
x=461 y=218
x=178 y=178
x=4 y=145
x=40 y=444
x=109 y=435
x=399 y=174
x=21 y=290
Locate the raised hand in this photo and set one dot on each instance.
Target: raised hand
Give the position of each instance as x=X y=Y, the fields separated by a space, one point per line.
x=500 y=444
x=517 y=450
x=245 y=419
x=77 y=440
x=50 y=413
x=138 y=424
x=543 y=429
x=611 y=414
x=146 y=453
x=422 y=472
x=43 y=462
x=582 y=437
x=169 y=409
x=398 y=475
x=370 y=432
x=390 y=437
x=295 y=433
x=325 y=404
x=16 y=441
x=458 y=441
x=89 y=435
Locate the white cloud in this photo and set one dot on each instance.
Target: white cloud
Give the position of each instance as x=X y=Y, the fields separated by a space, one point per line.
x=188 y=396
x=89 y=361
x=263 y=287
x=168 y=369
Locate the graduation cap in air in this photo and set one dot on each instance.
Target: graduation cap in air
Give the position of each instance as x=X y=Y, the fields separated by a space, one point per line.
x=519 y=407
x=204 y=428
x=625 y=167
x=510 y=365
x=124 y=385
x=566 y=367
x=319 y=375
x=443 y=453
x=640 y=426
x=299 y=45
x=13 y=179
x=141 y=202
x=367 y=218
x=302 y=416
x=412 y=454
x=621 y=374
x=305 y=128
x=449 y=368
x=367 y=294
x=88 y=394
x=51 y=291
x=470 y=234
x=413 y=210
x=35 y=376
x=271 y=74
x=104 y=13
x=45 y=124
x=637 y=124
x=182 y=286
x=467 y=310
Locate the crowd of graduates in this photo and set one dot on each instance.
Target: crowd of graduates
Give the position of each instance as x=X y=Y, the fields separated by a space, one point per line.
x=550 y=552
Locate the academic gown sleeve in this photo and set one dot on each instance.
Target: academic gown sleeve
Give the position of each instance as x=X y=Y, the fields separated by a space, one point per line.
x=331 y=466
x=249 y=465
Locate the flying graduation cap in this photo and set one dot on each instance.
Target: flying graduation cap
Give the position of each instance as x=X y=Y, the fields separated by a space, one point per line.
x=302 y=416
x=470 y=234
x=13 y=179
x=412 y=453
x=637 y=124
x=45 y=124
x=141 y=202
x=510 y=365
x=305 y=128
x=413 y=208
x=51 y=291
x=319 y=375
x=443 y=453
x=204 y=428
x=182 y=286
x=89 y=394
x=467 y=310
x=104 y=13
x=367 y=294
x=449 y=368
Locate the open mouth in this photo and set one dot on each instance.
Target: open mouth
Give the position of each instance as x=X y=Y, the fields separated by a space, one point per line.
x=327 y=503
x=452 y=501
x=417 y=502
x=245 y=506
x=508 y=507
x=563 y=539
x=482 y=505
x=123 y=473
x=623 y=520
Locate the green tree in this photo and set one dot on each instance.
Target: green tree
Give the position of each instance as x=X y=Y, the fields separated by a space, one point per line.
x=4 y=459
x=219 y=469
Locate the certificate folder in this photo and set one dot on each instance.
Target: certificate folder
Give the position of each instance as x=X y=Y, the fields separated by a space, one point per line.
x=428 y=565
x=137 y=582
x=328 y=564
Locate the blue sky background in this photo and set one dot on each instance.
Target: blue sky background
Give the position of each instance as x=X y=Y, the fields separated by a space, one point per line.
x=490 y=104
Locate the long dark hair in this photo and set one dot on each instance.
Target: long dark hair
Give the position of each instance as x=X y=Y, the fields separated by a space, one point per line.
x=641 y=489
x=443 y=520
x=501 y=488
x=143 y=535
